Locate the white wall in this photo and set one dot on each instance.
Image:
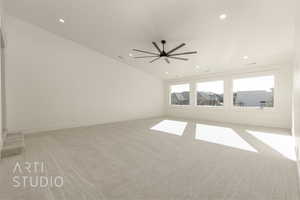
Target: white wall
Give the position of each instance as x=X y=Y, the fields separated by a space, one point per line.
x=296 y=89
x=55 y=83
x=280 y=116
x=1 y=27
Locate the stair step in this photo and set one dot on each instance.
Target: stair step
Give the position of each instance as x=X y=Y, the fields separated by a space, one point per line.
x=13 y=138
x=13 y=144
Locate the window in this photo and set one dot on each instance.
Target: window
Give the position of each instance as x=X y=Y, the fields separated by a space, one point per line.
x=180 y=94
x=254 y=92
x=210 y=93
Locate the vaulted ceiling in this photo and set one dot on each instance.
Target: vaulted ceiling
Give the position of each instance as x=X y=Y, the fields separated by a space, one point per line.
x=262 y=30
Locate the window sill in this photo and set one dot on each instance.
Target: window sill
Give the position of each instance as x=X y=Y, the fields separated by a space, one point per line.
x=210 y=107
x=242 y=109
x=179 y=106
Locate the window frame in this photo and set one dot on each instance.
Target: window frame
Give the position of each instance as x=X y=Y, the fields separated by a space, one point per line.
x=209 y=106
x=252 y=108
x=170 y=98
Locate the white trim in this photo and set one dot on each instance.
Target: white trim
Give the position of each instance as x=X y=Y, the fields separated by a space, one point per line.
x=180 y=106
x=209 y=107
x=249 y=108
x=1 y=146
x=62 y=126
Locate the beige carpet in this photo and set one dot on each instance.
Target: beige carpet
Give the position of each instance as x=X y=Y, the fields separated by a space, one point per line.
x=158 y=159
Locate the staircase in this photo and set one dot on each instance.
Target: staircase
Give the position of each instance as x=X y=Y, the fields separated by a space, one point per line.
x=13 y=144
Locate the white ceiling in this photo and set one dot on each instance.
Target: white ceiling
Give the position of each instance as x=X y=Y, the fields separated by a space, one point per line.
x=261 y=29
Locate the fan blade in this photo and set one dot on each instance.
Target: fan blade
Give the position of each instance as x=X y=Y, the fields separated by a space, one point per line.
x=176 y=48
x=145 y=56
x=178 y=58
x=145 y=52
x=183 y=53
x=154 y=59
x=167 y=60
x=158 y=49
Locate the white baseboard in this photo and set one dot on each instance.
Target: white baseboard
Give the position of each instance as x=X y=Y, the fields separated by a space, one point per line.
x=69 y=125
x=1 y=146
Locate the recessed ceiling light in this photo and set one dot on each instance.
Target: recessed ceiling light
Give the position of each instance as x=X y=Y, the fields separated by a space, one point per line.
x=61 y=20
x=197 y=67
x=223 y=16
x=130 y=54
x=166 y=72
x=245 y=57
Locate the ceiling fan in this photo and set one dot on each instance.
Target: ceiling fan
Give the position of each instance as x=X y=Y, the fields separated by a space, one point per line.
x=162 y=53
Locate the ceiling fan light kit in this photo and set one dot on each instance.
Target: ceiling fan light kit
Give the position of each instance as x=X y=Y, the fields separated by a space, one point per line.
x=162 y=53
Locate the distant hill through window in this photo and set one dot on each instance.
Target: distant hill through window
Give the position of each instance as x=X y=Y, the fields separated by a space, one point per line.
x=180 y=94
x=210 y=93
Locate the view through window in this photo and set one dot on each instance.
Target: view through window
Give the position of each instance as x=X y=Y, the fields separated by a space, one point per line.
x=180 y=94
x=210 y=93
x=254 y=92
